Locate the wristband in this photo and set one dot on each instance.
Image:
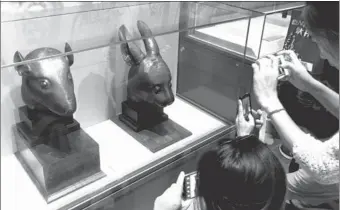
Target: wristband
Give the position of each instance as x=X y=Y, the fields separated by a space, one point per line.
x=275 y=111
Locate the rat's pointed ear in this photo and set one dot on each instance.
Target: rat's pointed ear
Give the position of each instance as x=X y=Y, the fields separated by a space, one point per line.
x=150 y=43
x=132 y=54
x=70 y=57
x=21 y=69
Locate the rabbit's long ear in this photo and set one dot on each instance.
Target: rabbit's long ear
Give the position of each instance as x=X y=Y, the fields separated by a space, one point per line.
x=23 y=70
x=132 y=54
x=151 y=45
x=70 y=57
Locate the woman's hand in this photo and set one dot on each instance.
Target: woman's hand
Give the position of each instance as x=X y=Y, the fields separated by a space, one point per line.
x=298 y=74
x=259 y=118
x=243 y=127
x=171 y=199
x=265 y=78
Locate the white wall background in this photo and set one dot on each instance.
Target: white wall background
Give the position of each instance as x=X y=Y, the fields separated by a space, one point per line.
x=99 y=75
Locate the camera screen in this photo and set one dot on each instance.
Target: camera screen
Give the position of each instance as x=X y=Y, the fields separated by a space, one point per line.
x=193 y=184
x=190 y=185
x=246 y=105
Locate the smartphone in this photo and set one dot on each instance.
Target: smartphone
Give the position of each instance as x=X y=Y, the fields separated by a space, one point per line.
x=189 y=186
x=282 y=72
x=246 y=105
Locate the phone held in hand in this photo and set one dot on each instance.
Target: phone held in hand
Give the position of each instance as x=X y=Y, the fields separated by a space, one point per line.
x=246 y=105
x=283 y=73
x=189 y=186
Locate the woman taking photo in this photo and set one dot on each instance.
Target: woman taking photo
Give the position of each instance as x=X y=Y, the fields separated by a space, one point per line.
x=240 y=174
x=317 y=180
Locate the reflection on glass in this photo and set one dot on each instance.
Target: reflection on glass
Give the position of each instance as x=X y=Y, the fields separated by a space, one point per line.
x=99 y=78
x=266 y=7
x=14 y=11
x=231 y=35
x=262 y=33
x=220 y=74
x=275 y=32
x=88 y=29
x=211 y=78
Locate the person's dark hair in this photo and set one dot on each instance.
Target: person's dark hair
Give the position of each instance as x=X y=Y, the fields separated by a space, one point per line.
x=242 y=173
x=323 y=16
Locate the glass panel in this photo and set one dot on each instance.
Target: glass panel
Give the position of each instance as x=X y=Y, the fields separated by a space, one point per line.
x=232 y=35
x=212 y=78
x=90 y=88
x=266 y=7
x=93 y=29
x=275 y=32
x=220 y=74
x=16 y=11
x=274 y=26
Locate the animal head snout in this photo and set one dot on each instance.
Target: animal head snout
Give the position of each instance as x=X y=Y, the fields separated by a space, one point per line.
x=166 y=102
x=69 y=112
x=65 y=108
x=170 y=100
x=170 y=97
x=62 y=103
x=71 y=108
x=165 y=99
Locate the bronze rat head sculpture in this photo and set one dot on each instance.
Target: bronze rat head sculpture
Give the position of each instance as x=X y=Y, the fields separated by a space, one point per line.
x=149 y=78
x=47 y=84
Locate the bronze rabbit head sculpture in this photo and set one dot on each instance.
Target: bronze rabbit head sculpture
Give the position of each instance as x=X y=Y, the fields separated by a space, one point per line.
x=47 y=84
x=149 y=78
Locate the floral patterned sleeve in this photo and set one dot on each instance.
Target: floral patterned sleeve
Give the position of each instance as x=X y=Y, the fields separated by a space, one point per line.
x=321 y=159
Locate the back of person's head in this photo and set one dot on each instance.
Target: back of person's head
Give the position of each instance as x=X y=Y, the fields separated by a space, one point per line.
x=323 y=16
x=322 y=23
x=242 y=173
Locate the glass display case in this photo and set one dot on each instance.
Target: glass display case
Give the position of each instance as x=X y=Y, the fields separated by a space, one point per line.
x=98 y=97
x=267 y=30
x=232 y=47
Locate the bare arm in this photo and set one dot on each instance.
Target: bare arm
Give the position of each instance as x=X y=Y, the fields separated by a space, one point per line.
x=326 y=96
x=320 y=158
x=300 y=78
x=325 y=168
x=285 y=126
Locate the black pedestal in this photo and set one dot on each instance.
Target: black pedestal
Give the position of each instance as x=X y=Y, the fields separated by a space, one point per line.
x=150 y=126
x=140 y=115
x=54 y=172
x=36 y=127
